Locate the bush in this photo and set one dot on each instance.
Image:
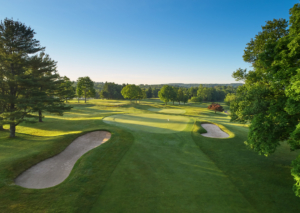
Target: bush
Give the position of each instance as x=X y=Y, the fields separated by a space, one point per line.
x=216 y=107
x=196 y=99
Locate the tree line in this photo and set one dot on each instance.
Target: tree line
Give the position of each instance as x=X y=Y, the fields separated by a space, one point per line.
x=270 y=98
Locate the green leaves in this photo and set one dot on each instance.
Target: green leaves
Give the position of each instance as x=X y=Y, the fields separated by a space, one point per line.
x=132 y=91
x=85 y=87
x=269 y=100
x=166 y=93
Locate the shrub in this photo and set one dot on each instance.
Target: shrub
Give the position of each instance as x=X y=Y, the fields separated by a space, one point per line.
x=196 y=99
x=216 y=107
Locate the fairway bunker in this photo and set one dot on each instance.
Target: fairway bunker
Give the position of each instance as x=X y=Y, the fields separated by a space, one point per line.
x=55 y=170
x=168 y=111
x=213 y=131
x=155 y=123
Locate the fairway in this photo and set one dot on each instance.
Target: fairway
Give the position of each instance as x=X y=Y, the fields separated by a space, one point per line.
x=168 y=111
x=153 y=162
x=154 y=123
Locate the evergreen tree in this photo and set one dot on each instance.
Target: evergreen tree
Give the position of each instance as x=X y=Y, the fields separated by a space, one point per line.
x=149 y=92
x=17 y=43
x=46 y=87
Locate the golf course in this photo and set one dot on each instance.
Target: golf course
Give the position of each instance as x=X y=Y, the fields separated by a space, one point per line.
x=151 y=158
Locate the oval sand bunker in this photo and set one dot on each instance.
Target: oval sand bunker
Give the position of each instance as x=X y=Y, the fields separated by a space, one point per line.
x=55 y=170
x=213 y=131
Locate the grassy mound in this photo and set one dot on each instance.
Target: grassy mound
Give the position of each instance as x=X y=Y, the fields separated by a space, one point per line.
x=156 y=123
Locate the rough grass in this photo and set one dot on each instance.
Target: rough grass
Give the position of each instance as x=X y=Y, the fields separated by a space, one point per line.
x=138 y=171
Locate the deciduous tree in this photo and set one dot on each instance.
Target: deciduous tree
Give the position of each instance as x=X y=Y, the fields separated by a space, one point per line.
x=85 y=87
x=269 y=99
x=166 y=93
x=131 y=92
x=216 y=107
x=66 y=89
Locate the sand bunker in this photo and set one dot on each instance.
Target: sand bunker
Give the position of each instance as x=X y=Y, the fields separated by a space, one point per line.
x=213 y=131
x=55 y=170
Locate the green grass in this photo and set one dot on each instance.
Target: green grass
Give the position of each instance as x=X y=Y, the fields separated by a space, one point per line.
x=168 y=111
x=149 y=165
x=155 y=123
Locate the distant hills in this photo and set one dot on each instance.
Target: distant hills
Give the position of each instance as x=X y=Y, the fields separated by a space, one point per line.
x=191 y=85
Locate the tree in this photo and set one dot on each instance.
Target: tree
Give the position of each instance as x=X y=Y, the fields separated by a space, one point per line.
x=229 y=98
x=185 y=99
x=269 y=98
x=112 y=91
x=166 y=93
x=149 y=92
x=29 y=80
x=173 y=94
x=79 y=93
x=131 y=92
x=196 y=99
x=193 y=92
x=104 y=94
x=216 y=107
x=46 y=87
x=17 y=43
x=141 y=94
x=66 y=89
x=180 y=95
x=85 y=86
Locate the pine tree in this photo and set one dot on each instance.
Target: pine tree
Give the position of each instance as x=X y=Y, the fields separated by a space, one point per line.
x=28 y=78
x=16 y=44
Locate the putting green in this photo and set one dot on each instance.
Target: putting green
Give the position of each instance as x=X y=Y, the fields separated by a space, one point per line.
x=168 y=111
x=155 y=123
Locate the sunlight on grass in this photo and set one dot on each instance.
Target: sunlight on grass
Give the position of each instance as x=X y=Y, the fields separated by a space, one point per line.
x=156 y=123
x=40 y=132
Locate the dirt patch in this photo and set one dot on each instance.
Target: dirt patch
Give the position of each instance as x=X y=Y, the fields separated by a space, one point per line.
x=55 y=170
x=213 y=131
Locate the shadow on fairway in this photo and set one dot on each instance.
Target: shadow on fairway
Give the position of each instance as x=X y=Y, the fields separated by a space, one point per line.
x=149 y=122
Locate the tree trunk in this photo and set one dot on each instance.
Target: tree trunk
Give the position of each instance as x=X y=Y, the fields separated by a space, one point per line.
x=12 y=127
x=12 y=131
x=84 y=96
x=40 y=116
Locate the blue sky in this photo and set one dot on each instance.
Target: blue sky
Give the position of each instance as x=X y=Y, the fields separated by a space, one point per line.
x=147 y=41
